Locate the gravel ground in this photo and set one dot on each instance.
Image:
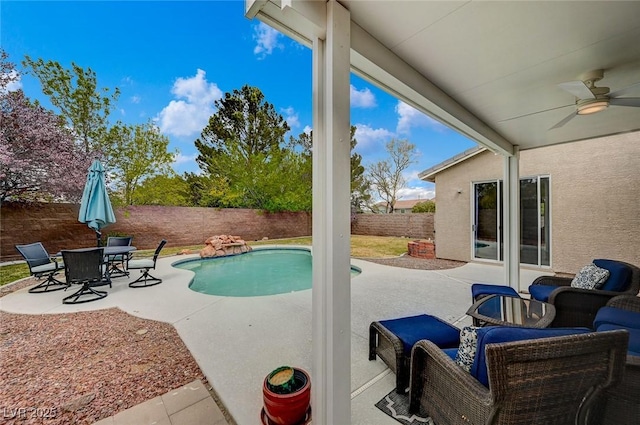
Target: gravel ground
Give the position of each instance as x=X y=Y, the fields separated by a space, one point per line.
x=78 y=368
x=407 y=262
x=81 y=367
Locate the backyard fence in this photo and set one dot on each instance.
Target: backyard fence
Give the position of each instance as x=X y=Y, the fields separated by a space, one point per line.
x=57 y=226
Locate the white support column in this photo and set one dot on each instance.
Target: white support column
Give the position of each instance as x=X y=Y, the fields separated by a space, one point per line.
x=331 y=380
x=511 y=219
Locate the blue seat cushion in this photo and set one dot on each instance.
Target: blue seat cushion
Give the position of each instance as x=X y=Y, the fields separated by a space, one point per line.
x=414 y=328
x=634 y=336
x=617 y=316
x=619 y=275
x=478 y=289
x=500 y=334
x=451 y=352
x=541 y=292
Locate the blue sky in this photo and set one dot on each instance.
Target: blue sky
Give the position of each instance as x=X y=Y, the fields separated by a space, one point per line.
x=172 y=60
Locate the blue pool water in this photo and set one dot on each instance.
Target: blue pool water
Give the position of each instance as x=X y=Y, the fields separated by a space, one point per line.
x=259 y=272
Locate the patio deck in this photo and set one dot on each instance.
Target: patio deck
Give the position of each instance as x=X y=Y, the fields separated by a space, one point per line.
x=238 y=341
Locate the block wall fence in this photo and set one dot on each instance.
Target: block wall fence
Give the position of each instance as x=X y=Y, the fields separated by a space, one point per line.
x=416 y=226
x=57 y=226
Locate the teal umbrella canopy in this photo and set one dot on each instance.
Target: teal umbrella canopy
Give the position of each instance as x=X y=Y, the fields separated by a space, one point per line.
x=95 y=207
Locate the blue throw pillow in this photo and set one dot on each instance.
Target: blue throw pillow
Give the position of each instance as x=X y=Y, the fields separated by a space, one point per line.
x=590 y=277
x=619 y=275
x=466 y=352
x=500 y=334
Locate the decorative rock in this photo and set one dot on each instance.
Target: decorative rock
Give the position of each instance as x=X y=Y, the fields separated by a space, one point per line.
x=222 y=245
x=78 y=403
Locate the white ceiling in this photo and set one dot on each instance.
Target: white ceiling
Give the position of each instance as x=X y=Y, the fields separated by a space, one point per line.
x=503 y=61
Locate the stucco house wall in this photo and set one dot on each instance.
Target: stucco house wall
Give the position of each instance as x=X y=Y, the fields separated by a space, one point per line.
x=595 y=200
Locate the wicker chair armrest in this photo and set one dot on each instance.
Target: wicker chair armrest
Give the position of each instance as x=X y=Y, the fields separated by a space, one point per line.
x=552 y=281
x=577 y=307
x=625 y=302
x=458 y=393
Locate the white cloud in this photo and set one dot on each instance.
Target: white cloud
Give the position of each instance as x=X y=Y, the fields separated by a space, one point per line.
x=371 y=138
x=361 y=98
x=190 y=116
x=184 y=159
x=267 y=39
x=409 y=117
x=123 y=112
x=14 y=85
x=307 y=129
x=416 y=193
x=135 y=99
x=291 y=117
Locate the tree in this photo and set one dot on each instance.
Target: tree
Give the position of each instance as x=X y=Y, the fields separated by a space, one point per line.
x=242 y=146
x=134 y=153
x=427 y=206
x=38 y=157
x=75 y=92
x=360 y=186
x=163 y=190
x=386 y=176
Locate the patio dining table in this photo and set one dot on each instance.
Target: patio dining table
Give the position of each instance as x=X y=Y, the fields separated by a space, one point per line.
x=112 y=252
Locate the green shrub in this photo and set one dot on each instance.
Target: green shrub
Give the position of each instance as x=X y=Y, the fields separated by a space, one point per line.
x=424 y=207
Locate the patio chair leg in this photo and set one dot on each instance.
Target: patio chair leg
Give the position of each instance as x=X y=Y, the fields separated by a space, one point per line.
x=49 y=285
x=85 y=290
x=145 y=280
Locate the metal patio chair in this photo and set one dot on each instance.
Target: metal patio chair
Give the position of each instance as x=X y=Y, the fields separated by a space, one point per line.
x=145 y=264
x=117 y=262
x=41 y=264
x=85 y=267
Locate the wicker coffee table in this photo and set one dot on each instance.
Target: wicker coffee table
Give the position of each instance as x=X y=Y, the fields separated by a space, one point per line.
x=507 y=310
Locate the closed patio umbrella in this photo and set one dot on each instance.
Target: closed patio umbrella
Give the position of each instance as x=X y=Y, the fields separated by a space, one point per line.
x=95 y=207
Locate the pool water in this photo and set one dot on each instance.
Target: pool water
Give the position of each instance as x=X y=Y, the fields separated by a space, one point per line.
x=259 y=272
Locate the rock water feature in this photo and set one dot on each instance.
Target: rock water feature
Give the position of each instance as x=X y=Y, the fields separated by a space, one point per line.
x=222 y=245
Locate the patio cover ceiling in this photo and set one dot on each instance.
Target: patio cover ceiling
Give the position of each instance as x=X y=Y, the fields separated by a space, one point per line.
x=488 y=69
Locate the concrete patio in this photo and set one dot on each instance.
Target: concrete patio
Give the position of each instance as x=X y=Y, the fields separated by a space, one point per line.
x=238 y=341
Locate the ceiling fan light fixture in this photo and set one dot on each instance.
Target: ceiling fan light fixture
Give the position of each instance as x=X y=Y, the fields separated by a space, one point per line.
x=593 y=107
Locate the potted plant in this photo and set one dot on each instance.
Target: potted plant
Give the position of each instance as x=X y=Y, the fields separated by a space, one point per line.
x=286 y=394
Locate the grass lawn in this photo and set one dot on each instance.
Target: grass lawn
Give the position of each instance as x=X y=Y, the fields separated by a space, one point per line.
x=361 y=247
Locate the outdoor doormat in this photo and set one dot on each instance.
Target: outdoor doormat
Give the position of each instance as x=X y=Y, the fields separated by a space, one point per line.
x=397 y=406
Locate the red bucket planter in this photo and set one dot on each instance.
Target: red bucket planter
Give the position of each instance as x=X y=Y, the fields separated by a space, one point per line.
x=288 y=409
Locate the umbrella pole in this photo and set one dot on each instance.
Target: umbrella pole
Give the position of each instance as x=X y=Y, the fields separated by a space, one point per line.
x=99 y=238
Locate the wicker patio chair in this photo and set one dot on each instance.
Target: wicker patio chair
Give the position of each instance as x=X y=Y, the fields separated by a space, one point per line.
x=543 y=381
x=85 y=267
x=146 y=264
x=117 y=262
x=41 y=264
x=622 y=402
x=578 y=307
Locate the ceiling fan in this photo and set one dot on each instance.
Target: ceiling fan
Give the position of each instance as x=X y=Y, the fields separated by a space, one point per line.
x=591 y=99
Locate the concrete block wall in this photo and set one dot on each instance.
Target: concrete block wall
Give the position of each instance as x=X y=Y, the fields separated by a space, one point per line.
x=57 y=226
x=409 y=225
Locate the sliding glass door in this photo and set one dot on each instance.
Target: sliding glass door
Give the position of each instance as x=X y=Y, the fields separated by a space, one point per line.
x=487 y=226
x=534 y=221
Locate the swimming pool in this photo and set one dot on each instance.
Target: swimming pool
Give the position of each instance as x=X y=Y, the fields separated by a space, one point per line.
x=266 y=271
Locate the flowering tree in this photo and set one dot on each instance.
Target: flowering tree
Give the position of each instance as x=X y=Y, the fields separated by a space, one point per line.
x=39 y=159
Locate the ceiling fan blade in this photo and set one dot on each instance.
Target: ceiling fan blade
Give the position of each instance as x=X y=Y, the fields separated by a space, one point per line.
x=565 y=120
x=625 y=90
x=625 y=101
x=577 y=88
x=535 y=113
